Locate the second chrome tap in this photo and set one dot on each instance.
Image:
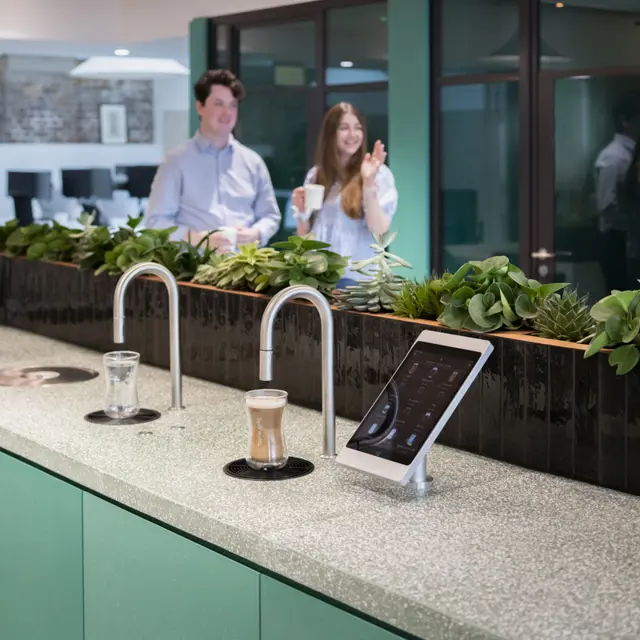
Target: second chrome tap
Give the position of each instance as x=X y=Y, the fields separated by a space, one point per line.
x=266 y=353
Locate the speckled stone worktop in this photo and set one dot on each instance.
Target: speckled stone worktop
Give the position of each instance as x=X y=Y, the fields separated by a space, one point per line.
x=493 y=552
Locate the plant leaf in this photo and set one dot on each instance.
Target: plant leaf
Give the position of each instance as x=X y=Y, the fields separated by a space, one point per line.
x=553 y=287
x=624 y=358
x=597 y=344
x=478 y=312
x=607 y=307
x=631 y=331
x=525 y=308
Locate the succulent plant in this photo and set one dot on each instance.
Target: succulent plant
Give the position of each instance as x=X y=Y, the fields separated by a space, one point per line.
x=564 y=316
x=492 y=294
x=247 y=269
x=617 y=319
x=421 y=299
x=381 y=287
x=306 y=261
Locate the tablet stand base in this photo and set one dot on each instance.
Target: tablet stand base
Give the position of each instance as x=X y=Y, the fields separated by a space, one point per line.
x=421 y=481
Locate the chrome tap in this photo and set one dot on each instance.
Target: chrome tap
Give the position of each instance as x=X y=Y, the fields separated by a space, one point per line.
x=266 y=353
x=151 y=268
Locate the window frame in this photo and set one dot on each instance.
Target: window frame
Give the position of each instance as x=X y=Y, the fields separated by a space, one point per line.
x=315 y=11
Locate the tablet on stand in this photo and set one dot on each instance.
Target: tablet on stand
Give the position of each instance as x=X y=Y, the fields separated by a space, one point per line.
x=394 y=438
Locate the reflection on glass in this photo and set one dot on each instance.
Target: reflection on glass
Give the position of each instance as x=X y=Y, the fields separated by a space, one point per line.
x=277 y=66
x=479 y=36
x=584 y=34
x=374 y=107
x=479 y=172
x=357 y=50
x=223 y=60
x=597 y=194
x=281 y=55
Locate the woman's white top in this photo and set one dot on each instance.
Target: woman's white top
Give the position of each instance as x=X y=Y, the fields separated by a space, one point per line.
x=347 y=236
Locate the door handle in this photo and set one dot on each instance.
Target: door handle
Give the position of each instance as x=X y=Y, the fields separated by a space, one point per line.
x=542 y=254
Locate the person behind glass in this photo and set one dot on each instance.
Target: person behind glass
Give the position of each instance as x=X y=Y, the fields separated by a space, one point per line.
x=360 y=193
x=213 y=181
x=611 y=167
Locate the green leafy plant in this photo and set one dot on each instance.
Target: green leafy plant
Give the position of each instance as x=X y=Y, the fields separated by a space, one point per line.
x=492 y=294
x=193 y=256
x=5 y=231
x=421 y=299
x=306 y=261
x=93 y=242
x=155 y=245
x=617 y=319
x=564 y=316
x=41 y=242
x=378 y=292
x=247 y=269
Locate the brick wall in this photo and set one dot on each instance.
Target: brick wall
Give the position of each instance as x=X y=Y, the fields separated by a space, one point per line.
x=47 y=105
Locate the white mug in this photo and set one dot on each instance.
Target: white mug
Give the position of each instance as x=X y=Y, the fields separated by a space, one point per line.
x=231 y=234
x=313 y=197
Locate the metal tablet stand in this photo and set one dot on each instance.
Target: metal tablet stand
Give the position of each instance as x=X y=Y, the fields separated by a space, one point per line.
x=421 y=481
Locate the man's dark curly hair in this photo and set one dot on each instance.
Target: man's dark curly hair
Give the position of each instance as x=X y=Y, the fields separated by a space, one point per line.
x=223 y=77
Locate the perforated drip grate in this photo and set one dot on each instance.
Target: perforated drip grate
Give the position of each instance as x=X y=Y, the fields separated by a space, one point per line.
x=295 y=468
x=144 y=415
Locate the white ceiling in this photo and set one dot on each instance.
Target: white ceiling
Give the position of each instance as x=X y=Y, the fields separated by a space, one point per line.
x=175 y=48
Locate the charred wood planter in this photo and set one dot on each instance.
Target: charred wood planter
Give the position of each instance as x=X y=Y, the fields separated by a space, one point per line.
x=537 y=404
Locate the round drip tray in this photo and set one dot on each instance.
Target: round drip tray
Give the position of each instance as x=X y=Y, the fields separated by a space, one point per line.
x=144 y=415
x=295 y=468
x=42 y=376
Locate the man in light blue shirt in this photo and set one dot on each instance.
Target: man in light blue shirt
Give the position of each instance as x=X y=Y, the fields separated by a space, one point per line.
x=213 y=181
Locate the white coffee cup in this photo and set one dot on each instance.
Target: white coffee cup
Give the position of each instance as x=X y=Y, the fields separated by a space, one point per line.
x=313 y=197
x=231 y=234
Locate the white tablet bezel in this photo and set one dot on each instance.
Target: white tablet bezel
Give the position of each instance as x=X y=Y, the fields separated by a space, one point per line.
x=402 y=473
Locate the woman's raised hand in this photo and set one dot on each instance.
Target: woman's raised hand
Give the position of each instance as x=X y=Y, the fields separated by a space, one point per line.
x=372 y=163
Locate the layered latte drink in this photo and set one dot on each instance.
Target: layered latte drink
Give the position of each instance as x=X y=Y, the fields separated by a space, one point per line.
x=265 y=412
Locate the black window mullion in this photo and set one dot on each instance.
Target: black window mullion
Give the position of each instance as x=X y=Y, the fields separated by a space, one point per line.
x=435 y=135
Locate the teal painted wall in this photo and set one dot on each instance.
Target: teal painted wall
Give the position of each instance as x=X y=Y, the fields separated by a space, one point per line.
x=409 y=128
x=198 y=57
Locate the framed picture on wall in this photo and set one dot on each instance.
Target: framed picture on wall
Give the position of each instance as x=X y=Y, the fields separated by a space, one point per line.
x=113 y=124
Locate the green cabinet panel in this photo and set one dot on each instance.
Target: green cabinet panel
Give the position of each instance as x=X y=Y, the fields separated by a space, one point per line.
x=40 y=555
x=143 y=582
x=289 y=613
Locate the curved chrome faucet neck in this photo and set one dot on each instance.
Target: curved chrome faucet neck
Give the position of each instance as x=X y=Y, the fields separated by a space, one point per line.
x=153 y=269
x=303 y=292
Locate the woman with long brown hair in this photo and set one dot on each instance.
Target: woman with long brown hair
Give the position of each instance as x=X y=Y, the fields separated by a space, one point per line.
x=360 y=196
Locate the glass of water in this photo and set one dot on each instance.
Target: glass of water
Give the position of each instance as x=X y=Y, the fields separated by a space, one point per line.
x=121 y=370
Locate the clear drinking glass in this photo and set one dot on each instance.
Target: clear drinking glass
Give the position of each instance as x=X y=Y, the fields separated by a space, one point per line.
x=265 y=416
x=121 y=370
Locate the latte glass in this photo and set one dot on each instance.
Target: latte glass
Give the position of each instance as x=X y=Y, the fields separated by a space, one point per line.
x=266 y=419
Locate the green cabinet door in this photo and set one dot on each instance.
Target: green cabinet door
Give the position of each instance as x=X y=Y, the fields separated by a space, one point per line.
x=40 y=555
x=143 y=582
x=289 y=613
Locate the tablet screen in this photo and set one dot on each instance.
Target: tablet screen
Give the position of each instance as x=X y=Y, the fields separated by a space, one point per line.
x=414 y=400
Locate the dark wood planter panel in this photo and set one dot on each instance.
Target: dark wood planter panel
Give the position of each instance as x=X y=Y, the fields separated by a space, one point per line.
x=537 y=404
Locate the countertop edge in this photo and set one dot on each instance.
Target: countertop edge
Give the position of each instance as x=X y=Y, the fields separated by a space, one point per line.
x=249 y=549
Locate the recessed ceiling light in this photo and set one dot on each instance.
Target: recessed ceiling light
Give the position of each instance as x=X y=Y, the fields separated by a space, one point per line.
x=346 y=64
x=122 y=52
x=559 y=5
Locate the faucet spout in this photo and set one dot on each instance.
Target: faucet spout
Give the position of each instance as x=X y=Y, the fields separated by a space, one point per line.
x=266 y=353
x=151 y=268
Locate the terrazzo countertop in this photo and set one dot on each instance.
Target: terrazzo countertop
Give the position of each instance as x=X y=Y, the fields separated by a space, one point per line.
x=493 y=552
